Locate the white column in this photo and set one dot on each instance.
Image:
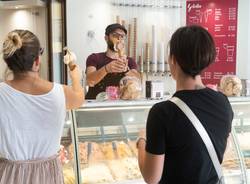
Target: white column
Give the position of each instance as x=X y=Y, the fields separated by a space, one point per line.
x=142 y=61
x=161 y=66
x=154 y=50
x=243 y=40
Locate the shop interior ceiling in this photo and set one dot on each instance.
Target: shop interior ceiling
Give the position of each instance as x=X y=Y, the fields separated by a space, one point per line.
x=17 y=4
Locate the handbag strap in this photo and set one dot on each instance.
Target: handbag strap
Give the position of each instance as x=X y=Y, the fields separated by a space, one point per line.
x=202 y=132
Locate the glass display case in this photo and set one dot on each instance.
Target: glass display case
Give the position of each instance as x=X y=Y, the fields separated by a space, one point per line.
x=241 y=133
x=105 y=136
x=67 y=151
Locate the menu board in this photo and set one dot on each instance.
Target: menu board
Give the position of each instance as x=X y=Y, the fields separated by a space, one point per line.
x=220 y=19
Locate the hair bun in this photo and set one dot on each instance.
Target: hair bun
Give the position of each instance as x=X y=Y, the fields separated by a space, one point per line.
x=16 y=39
x=12 y=43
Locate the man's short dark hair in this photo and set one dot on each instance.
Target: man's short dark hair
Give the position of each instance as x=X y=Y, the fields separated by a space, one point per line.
x=193 y=48
x=112 y=27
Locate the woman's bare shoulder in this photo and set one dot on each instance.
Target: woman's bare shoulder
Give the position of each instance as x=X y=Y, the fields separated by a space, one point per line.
x=42 y=87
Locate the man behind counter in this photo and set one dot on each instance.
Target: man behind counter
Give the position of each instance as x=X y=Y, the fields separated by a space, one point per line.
x=108 y=68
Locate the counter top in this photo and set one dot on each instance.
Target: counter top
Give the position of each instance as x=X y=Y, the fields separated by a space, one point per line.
x=239 y=99
x=119 y=103
x=143 y=102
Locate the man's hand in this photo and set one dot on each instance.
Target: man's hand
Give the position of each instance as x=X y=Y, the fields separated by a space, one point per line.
x=116 y=66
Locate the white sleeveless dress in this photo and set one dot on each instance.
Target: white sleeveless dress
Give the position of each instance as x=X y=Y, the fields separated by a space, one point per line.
x=30 y=131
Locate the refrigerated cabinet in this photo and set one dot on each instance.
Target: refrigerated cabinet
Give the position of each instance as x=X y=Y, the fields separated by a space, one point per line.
x=105 y=135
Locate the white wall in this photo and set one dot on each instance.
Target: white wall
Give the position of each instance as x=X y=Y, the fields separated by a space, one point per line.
x=243 y=40
x=95 y=15
x=84 y=16
x=31 y=19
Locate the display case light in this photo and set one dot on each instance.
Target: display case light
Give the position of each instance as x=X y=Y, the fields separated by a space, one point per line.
x=68 y=122
x=131 y=119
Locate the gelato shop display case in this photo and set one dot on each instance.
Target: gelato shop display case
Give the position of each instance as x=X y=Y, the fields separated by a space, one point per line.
x=105 y=135
x=241 y=134
x=67 y=153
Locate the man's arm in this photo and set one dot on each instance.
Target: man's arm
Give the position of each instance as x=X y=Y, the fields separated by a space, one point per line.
x=94 y=76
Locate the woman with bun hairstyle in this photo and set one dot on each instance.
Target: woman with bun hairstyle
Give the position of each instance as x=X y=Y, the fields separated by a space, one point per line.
x=32 y=114
x=172 y=151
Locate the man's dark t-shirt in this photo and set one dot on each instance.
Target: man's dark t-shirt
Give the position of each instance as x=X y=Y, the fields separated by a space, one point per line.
x=170 y=132
x=98 y=60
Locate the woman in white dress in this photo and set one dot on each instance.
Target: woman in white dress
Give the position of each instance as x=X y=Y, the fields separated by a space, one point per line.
x=32 y=114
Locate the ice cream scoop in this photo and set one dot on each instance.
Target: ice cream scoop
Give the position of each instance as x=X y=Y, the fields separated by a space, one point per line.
x=119 y=47
x=69 y=59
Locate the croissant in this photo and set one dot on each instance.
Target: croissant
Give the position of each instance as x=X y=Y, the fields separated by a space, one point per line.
x=230 y=85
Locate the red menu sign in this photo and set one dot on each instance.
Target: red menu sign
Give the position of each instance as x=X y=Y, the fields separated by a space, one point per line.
x=220 y=19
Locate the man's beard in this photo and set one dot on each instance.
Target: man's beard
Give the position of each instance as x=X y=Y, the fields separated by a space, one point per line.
x=110 y=45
